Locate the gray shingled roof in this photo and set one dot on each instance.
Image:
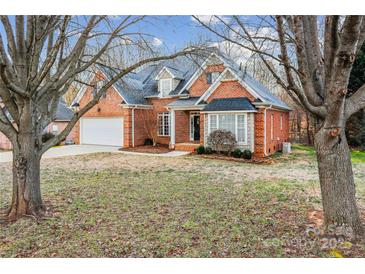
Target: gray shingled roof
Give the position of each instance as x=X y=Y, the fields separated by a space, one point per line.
x=229 y=104
x=184 y=102
x=135 y=87
x=258 y=87
x=64 y=113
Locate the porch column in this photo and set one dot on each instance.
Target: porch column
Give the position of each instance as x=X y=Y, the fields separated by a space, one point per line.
x=172 y=128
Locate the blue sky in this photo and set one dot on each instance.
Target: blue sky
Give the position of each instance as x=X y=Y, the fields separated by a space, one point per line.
x=174 y=31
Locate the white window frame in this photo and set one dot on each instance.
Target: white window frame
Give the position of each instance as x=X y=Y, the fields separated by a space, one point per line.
x=162 y=92
x=272 y=126
x=236 y=125
x=163 y=115
x=215 y=75
x=281 y=121
x=55 y=128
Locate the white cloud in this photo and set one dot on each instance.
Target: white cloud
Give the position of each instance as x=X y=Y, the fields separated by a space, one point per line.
x=156 y=42
x=210 y=19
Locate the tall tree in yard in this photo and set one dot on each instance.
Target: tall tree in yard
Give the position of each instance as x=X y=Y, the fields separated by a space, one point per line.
x=40 y=57
x=316 y=55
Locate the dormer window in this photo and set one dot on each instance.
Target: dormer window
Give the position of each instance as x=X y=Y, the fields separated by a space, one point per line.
x=211 y=77
x=165 y=86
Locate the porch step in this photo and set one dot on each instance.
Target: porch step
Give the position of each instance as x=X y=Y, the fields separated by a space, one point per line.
x=191 y=147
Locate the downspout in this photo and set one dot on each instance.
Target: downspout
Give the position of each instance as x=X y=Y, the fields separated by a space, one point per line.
x=133 y=108
x=265 y=153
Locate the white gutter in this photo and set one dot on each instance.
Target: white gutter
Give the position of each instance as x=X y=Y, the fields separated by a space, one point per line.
x=136 y=106
x=186 y=107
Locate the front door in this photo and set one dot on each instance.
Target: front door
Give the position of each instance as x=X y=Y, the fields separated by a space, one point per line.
x=195 y=127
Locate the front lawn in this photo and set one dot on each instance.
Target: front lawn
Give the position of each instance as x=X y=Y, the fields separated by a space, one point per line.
x=115 y=205
x=356 y=155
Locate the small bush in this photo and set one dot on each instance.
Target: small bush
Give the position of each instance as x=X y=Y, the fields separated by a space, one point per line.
x=237 y=153
x=222 y=141
x=47 y=136
x=208 y=150
x=148 y=142
x=247 y=154
x=200 y=150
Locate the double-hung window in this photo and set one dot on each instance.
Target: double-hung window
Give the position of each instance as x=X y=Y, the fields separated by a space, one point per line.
x=235 y=123
x=163 y=124
x=211 y=77
x=165 y=86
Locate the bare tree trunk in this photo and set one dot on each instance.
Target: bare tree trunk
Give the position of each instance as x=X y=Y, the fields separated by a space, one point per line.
x=337 y=182
x=309 y=139
x=27 y=199
x=299 y=126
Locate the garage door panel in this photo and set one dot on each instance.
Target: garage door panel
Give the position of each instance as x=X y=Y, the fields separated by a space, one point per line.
x=102 y=131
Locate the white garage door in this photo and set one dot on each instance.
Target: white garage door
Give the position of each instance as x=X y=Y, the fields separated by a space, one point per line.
x=102 y=131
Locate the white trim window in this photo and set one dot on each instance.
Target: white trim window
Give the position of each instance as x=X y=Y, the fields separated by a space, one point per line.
x=235 y=123
x=272 y=127
x=163 y=121
x=212 y=76
x=55 y=129
x=165 y=86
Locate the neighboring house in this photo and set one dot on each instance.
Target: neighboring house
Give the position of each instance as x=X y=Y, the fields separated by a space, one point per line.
x=63 y=116
x=179 y=102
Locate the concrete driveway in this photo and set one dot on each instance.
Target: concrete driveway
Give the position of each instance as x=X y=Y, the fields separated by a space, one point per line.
x=64 y=151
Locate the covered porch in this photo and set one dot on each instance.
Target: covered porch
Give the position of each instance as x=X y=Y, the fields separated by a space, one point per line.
x=186 y=124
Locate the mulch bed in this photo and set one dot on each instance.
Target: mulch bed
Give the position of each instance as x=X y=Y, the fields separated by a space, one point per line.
x=159 y=149
x=267 y=161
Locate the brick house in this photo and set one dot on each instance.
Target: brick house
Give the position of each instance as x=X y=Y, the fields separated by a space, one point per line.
x=63 y=117
x=179 y=102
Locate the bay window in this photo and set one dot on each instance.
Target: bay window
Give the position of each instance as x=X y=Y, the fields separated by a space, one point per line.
x=163 y=121
x=235 y=123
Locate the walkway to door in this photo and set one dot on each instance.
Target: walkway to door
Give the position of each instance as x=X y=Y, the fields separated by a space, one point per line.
x=191 y=147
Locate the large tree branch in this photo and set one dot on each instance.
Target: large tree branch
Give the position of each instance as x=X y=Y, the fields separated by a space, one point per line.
x=10 y=36
x=331 y=44
x=291 y=87
x=314 y=55
x=346 y=54
x=355 y=102
x=303 y=64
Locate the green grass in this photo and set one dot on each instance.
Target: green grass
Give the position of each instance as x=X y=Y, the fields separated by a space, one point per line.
x=117 y=213
x=356 y=155
x=112 y=205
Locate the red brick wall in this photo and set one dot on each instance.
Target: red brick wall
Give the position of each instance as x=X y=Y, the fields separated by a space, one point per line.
x=143 y=126
x=279 y=135
x=200 y=85
x=202 y=123
x=259 y=150
x=61 y=126
x=230 y=89
x=159 y=105
x=182 y=126
x=4 y=142
x=107 y=107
